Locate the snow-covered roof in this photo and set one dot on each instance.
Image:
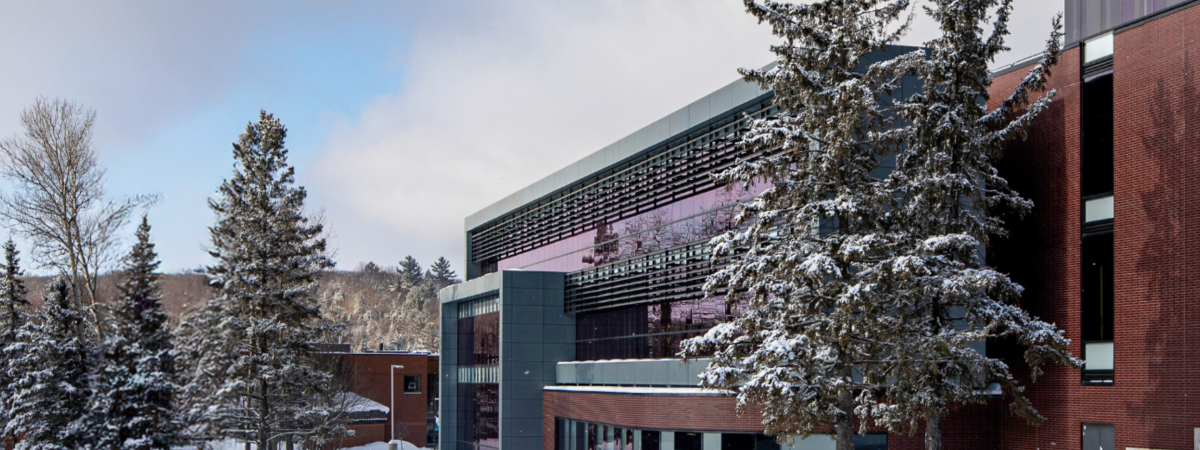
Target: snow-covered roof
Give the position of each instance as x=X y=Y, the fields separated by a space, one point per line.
x=358 y=403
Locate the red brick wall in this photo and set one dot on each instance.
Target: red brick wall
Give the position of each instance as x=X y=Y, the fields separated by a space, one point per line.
x=1154 y=401
x=970 y=427
x=371 y=379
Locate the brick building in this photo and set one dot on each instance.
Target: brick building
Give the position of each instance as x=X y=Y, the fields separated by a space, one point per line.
x=411 y=401
x=581 y=286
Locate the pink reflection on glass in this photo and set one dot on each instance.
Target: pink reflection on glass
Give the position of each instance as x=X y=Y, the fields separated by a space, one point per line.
x=688 y=220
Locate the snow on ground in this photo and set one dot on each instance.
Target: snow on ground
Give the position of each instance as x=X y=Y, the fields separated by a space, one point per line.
x=230 y=444
x=383 y=446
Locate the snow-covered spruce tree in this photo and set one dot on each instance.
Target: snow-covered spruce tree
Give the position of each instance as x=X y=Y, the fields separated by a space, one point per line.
x=410 y=273
x=51 y=376
x=814 y=241
x=268 y=254
x=15 y=308
x=201 y=355
x=441 y=273
x=949 y=194
x=133 y=408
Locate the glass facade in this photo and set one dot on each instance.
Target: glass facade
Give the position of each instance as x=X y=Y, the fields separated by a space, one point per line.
x=478 y=361
x=676 y=169
x=478 y=416
x=1085 y=18
x=578 y=435
x=479 y=340
x=647 y=331
x=684 y=221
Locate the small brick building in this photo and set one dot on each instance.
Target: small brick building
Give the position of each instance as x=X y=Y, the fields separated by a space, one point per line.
x=412 y=403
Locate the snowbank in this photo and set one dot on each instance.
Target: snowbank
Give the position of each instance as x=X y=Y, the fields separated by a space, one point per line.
x=383 y=446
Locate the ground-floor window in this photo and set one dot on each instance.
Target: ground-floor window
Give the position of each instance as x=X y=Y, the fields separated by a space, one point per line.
x=580 y=435
x=479 y=414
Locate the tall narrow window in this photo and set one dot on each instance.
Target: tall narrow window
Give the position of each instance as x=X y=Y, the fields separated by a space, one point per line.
x=1097 y=311
x=1096 y=268
x=1097 y=135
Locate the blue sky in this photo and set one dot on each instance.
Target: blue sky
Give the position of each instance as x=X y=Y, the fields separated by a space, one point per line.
x=404 y=116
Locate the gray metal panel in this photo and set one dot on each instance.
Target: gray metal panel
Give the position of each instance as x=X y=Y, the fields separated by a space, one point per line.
x=525 y=296
x=448 y=382
x=524 y=370
x=533 y=328
x=522 y=408
x=714 y=104
x=680 y=121
x=646 y=372
x=527 y=333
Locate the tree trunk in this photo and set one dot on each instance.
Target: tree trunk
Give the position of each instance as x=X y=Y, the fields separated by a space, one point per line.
x=933 y=431
x=843 y=425
x=289 y=444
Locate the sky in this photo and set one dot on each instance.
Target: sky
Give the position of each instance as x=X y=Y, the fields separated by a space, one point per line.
x=403 y=116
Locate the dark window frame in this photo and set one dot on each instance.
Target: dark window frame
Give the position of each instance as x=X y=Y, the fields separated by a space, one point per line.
x=409 y=381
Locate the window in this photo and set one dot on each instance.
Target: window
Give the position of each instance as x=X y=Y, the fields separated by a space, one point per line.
x=412 y=384
x=748 y=441
x=1097 y=309
x=1096 y=151
x=689 y=441
x=650 y=440
x=873 y=441
x=1096 y=268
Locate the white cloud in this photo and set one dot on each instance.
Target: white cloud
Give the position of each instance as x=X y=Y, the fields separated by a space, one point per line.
x=499 y=95
x=495 y=99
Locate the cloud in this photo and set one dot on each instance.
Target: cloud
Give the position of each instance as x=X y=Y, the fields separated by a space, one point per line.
x=499 y=95
x=405 y=116
x=496 y=98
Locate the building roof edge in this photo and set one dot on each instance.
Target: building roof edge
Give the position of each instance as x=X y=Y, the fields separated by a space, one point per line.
x=721 y=101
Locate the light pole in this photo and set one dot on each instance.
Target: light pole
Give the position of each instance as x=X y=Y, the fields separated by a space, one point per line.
x=392 y=372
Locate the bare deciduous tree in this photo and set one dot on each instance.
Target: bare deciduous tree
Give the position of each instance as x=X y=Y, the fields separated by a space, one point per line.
x=58 y=200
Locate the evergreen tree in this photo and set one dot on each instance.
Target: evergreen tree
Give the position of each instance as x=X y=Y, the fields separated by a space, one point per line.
x=268 y=385
x=817 y=239
x=15 y=308
x=200 y=357
x=441 y=274
x=949 y=192
x=371 y=268
x=135 y=388
x=51 y=377
x=410 y=272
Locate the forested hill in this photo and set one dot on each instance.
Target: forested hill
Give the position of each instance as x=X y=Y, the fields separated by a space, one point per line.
x=377 y=307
